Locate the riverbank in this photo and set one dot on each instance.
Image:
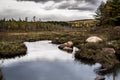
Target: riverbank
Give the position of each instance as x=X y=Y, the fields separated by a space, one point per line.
x=107 y=52
x=12 y=44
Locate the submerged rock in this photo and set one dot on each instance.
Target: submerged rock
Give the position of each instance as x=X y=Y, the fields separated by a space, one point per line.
x=94 y=39
x=68 y=46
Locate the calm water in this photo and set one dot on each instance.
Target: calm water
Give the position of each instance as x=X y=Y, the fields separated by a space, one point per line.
x=45 y=61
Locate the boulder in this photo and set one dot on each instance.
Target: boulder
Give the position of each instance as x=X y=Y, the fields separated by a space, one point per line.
x=94 y=39
x=68 y=46
x=61 y=46
x=109 y=50
x=100 y=78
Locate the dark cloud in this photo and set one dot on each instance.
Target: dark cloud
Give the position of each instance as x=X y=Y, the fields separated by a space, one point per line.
x=82 y=9
x=92 y=1
x=90 y=4
x=42 y=0
x=88 y=1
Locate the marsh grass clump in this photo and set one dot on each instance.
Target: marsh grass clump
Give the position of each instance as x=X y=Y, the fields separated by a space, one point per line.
x=102 y=53
x=114 y=33
x=11 y=49
x=94 y=46
x=89 y=50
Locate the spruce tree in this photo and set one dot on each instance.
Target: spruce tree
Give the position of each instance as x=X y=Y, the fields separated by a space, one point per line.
x=114 y=12
x=109 y=13
x=100 y=12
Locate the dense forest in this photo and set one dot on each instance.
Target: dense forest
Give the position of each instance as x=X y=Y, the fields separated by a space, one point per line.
x=109 y=13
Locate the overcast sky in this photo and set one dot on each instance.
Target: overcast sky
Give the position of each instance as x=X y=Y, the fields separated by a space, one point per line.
x=57 y=10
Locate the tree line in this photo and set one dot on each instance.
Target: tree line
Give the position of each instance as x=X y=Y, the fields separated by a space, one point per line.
x=24 y=25
x=109 y=13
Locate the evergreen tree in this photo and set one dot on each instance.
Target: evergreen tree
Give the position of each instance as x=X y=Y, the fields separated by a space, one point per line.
x=26 y=19
x=34 y=18
x=109 y=13
x=100 y=12
x=114 y=12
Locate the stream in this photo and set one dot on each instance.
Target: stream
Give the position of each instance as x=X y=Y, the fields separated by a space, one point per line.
x=44 y=61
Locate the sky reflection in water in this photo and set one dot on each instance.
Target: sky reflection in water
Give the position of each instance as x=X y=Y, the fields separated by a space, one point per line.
x=45 y=61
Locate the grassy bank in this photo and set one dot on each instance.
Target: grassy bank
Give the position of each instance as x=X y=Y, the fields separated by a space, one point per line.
x=12 y=43
x=11 y=49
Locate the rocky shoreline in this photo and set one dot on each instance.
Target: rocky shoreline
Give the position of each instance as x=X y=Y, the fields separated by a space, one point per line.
x=102 y=52
x=97 y=50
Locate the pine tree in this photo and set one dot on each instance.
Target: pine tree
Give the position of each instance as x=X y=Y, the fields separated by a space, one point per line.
x=100 y=12
x=109 y=13
x=114 y=12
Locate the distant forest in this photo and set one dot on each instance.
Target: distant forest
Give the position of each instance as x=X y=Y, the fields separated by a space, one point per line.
x=24 y=25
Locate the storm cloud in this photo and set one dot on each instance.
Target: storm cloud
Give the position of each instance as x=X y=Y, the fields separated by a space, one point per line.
x=71 y=4
x=44 y=0
x=60 y=10
x=89 y=1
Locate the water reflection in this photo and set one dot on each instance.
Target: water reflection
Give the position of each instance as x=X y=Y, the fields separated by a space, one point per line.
x=45 y=61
